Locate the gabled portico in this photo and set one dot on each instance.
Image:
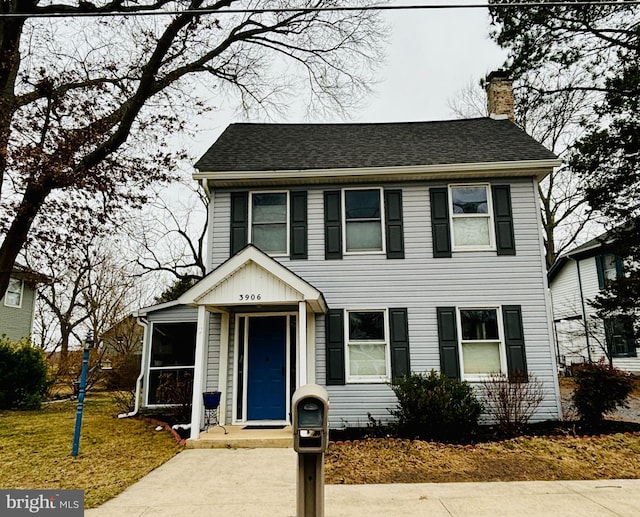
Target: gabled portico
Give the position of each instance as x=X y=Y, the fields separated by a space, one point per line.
x=274 y=321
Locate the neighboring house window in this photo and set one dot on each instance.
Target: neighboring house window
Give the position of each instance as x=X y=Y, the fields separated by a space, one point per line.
x=367 y=346
x=609 y=267
x=476 y=342
x=172 y=361
x=471 y=220
x=269 y=222
x=13 y=296
x=363 y=222
x=619 y=336
x=481 y=350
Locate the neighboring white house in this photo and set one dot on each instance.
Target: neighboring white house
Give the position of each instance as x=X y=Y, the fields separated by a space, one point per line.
x=575 y=280
x=351 y=254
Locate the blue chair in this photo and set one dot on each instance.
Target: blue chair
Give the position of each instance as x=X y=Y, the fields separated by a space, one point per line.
x=211 y=401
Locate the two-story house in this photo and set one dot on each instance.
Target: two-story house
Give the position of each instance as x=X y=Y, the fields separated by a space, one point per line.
x=350 y=254
x=18 y=303
x=575 y=280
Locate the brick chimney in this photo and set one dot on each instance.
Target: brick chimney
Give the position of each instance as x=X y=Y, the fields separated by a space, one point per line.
x=499 y=87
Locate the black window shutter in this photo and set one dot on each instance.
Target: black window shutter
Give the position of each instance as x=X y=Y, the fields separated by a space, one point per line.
x=440 y=232
x=394 y=229
x=514 y=342
x=619 y=267
x=448 y=341
x=600 y=270
x=239 y=221
x=399 y=329
x=332 y=225
x=298 y=223
x=503 y=220
x=334 y=346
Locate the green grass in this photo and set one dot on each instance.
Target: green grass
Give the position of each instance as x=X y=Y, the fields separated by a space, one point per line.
x=35 y=447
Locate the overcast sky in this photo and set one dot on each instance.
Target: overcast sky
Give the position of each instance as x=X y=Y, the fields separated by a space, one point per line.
x=431 y=55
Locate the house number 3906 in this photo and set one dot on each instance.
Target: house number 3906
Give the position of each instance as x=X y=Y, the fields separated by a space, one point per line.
x=250 y=297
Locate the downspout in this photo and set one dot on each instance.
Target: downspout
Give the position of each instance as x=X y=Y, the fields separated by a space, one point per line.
x=144 y=323
x=584 y=311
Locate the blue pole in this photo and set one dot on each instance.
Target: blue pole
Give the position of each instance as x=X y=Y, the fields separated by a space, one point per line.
x=83 y=383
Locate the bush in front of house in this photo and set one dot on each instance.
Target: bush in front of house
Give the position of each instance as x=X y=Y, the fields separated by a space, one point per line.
x=432 y=406
x=512 y=400
x=23 y=375
x=600 y=389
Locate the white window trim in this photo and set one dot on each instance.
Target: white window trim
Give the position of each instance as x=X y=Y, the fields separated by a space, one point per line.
x=382 y=251
x=6 y=298
x=288 y=219
x=492 y=237
x=368 y=379
x=501 y=344
x=158 y=368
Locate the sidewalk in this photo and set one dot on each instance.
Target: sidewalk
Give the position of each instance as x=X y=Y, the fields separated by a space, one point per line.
x=261 y=482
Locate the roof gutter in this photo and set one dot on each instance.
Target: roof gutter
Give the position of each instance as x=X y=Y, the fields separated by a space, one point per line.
x=537 y=168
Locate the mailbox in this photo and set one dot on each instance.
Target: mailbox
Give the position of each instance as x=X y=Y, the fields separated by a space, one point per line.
x=310 y=419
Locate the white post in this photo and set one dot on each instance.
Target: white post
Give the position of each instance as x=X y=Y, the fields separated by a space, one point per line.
x=198 y=371
x=302 y=344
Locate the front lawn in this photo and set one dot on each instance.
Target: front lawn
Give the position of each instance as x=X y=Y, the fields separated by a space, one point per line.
x=35 y=447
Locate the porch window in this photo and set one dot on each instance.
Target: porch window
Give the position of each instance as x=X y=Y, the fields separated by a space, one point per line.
x=481 y=346
x=269 y=222
x=13 y=296
x=471 y=220
x=172 y=361
x=367 y=346
x=363 y=220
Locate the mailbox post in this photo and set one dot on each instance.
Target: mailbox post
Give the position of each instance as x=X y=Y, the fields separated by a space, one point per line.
x=310 y=437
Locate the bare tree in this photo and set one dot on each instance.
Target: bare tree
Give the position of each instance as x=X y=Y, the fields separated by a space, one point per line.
x=86 y=101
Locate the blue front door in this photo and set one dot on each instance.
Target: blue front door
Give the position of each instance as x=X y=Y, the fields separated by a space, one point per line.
x=267 y=368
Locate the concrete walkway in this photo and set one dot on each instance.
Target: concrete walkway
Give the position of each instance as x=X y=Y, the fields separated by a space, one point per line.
x=261 y=482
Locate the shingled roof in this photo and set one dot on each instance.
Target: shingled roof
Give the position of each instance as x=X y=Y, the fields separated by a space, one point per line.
x=273 y=147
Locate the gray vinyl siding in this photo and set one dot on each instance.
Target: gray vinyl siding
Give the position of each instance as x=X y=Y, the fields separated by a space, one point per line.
x=421 y=283
x=16 y=322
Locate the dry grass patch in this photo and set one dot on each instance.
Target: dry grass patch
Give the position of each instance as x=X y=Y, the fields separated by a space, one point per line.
x=114 y=453
x=520 y=459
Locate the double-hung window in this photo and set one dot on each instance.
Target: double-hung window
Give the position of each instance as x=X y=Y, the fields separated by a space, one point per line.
x=367 y=346
x=270 y=222
x=13 y=296
x=471 y=217
x=481 y=345
x=363 y=220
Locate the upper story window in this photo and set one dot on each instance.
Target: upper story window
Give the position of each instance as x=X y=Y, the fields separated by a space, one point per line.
x=471 y=217
x=13 y=296
x=481 y=346
x=269 y=222
x=363 y=220
x=367 y=346
x=609 y=267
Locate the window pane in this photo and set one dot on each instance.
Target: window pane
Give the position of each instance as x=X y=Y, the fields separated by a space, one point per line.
x=479 y=324
x=173 y=344
x=365 y=235
x=471 y=231
x=481 y=358
x=269 y=208
x=609 y=267
x=469 y=200
x=14 y=292
x=367 y=360
x=270 y=238
x=366 y=326
x=362 y=204
x=171 y=386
